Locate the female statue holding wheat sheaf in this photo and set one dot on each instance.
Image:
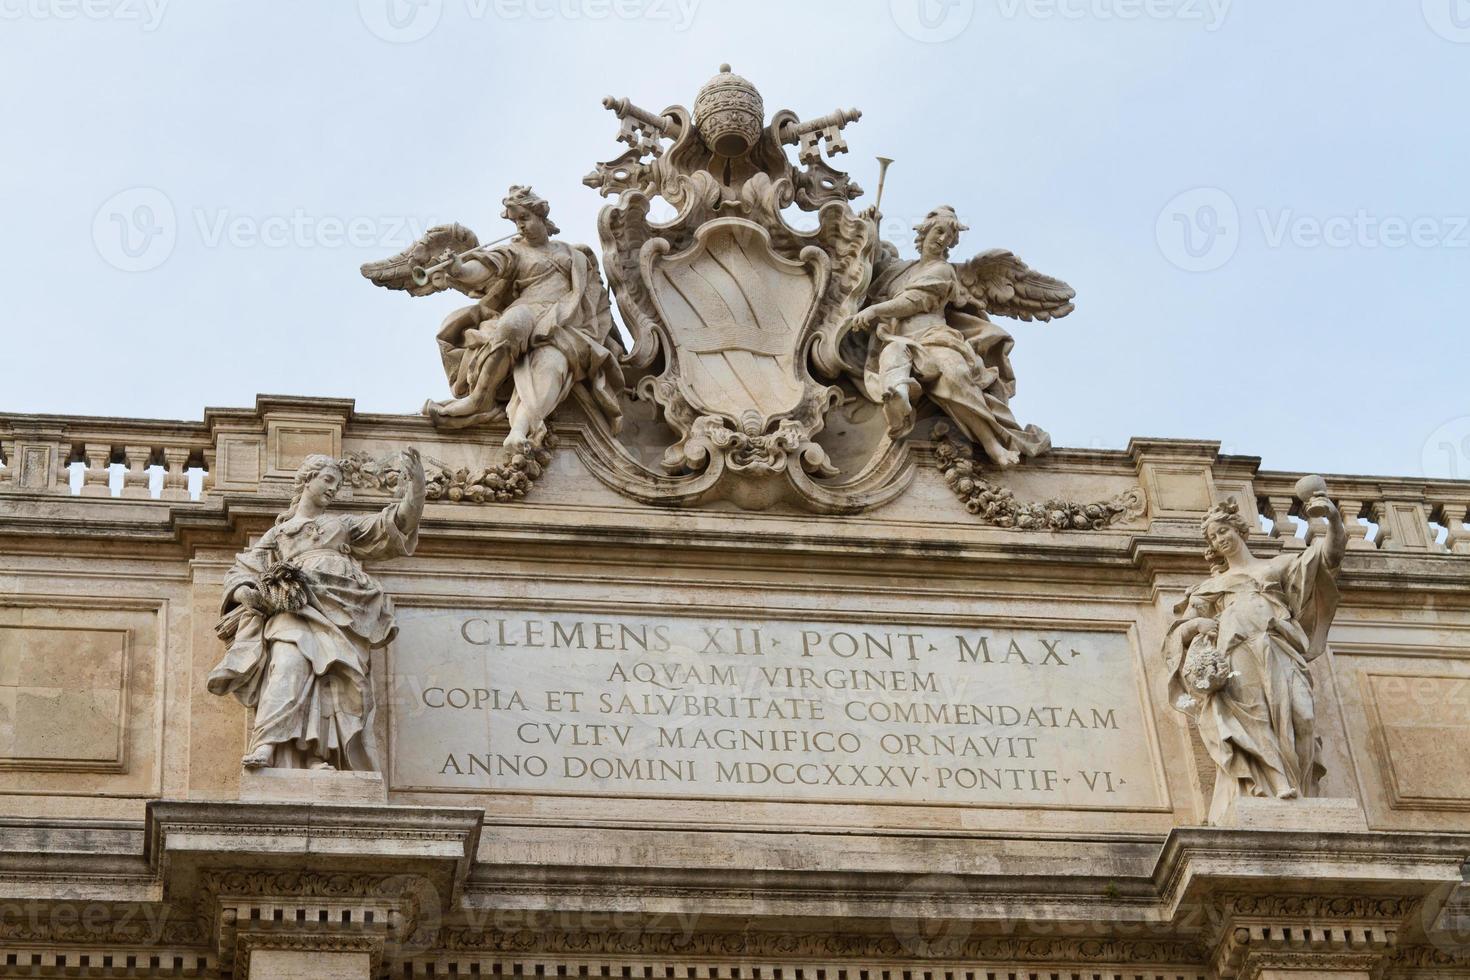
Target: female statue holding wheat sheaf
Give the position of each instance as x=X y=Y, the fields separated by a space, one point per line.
x=301 y=617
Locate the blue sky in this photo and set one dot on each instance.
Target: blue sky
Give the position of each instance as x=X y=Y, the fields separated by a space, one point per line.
x=1263 y=206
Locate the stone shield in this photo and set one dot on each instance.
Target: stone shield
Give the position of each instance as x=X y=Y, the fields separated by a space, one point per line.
x=738 y=315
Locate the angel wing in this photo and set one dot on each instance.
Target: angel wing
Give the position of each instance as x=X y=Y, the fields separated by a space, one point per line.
x=438 y=243
x=1006 y=286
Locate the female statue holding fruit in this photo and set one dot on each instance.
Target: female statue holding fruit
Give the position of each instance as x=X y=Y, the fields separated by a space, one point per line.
x=1239 y=648
x=301 y=617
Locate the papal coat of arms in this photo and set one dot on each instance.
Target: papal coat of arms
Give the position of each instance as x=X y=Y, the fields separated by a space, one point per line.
x=767 y=362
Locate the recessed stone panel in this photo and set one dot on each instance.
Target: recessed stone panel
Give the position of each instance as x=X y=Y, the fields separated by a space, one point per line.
x=63 y=697
x=1180 y=489
x=239 y=461
x=290 y=440
x=1422 y=729
x=80 y=696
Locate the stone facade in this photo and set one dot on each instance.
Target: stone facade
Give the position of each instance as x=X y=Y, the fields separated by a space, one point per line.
x=843 y=675
x=136 y=845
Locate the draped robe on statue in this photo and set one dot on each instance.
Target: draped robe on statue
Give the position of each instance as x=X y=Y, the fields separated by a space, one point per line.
x=1259 y=728
x=306 y=672
x=545 y=306
x=946 y=349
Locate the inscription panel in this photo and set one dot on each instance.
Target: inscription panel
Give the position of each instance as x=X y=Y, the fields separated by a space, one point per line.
x=606 y=704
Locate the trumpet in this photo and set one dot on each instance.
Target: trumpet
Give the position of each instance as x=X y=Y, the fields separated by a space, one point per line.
x=883 y=164
x=423 y=273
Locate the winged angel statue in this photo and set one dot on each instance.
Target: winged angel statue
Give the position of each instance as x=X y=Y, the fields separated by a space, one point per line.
x=746 y=332
x=540 y=324
x=926 y=331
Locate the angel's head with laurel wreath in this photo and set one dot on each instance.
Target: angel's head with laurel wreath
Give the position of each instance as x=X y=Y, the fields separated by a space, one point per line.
x=938 y=232
x=531 y=213
x=1226 y=532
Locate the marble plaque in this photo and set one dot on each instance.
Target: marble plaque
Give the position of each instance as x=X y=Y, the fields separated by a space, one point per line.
x=717 y=708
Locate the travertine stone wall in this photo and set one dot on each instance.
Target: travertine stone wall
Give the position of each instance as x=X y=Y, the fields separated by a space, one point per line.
x=659 y=839
x=914 y=607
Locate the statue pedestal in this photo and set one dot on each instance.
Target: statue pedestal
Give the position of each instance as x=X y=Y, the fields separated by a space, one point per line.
x=312 y=786
x=1335 y=814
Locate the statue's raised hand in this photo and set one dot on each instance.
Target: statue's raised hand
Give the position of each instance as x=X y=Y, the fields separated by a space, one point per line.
x=415 y=466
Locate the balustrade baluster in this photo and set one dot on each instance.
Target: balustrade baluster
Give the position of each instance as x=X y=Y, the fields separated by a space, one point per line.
x=135 y=478
x=176 y=475
x=97 y=480
x=1452 y=513
x=1278 y=508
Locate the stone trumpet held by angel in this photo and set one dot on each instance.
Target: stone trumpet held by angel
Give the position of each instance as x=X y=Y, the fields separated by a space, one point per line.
x=423 y=274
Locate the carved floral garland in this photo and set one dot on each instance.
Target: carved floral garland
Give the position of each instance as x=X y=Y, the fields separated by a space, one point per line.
x=501 y=483
x=997 y=506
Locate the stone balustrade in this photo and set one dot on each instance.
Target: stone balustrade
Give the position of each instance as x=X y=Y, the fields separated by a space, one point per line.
x=1420 y=516
x=251 y=449
x=140 y=460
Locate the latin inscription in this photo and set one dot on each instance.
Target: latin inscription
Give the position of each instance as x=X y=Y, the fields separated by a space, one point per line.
x=826 y=712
